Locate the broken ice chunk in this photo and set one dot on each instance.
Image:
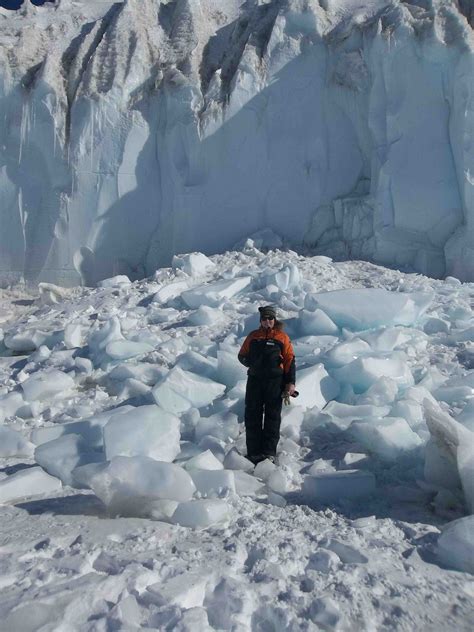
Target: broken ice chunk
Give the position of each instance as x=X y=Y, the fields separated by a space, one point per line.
x=116 y=281
x=145 y=430
x=29 y=482
x=125 y=349
x=210 y=482
x=181 y=390
x=388 y=438
x=235 y=461
x=317 y=323
x=365 y=308
x=25 y=341
x=224 y=426
x=316 y=387
x=194 y=263
x=127 y=485
x=199 y=514
x=204 y=461
x=326 y=486
x=186 y=591
x=212 y=294
x=364 y=372
x=45 y=385
x=89 y=429
x=61 y=456
x=169 y=291
x=12 y=443
x=456 y=545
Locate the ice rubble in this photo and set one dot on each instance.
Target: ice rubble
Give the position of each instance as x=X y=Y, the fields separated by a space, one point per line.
x=157 y=434
x=127 y=110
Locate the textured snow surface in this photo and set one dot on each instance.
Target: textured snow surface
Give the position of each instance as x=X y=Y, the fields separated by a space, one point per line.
x=136 y=131
x=130 y=515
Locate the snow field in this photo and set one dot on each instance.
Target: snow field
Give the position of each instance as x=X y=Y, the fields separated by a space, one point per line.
x=155 y=439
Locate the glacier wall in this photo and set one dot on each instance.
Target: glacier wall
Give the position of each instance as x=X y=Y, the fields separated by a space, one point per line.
x=133 y=131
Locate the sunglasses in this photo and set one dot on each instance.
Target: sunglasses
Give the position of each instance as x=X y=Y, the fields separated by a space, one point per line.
x=267 y=318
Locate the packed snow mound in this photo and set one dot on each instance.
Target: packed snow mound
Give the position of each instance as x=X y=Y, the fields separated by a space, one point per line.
x=141 y=109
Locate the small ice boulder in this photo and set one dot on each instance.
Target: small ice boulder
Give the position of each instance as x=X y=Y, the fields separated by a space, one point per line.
x=455 y=546
x=315 y=387
x=288 y=278
x=235 y=461
x=32 y=481
x=212 y=294
x=213 y=482
x=46 y=385
x=143 y=431
x=247 y=485
x=194 y=263
x=264 y=469
x=206 y=316
x=73 y=336
x=169 y=291
x=50 y=294
x=316 y=323
x=354 y=459
x=12 y=443
x=187 y=590
x=326 y=486
x=223 y=426
x=103 y=335
x=125 y=349
x=388 y=438
x=276 y=499
x=204 y=461
x=366 y=308
x=200 y=514
x=181 y=390
x=321 y=465
x=117 y=281
x=127 y=485
x=25 y=341
x=279 y=481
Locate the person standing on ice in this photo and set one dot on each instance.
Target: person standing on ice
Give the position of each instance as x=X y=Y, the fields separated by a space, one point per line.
x=268 y=354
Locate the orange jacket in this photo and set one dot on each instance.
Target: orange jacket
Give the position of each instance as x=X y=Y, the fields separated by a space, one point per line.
x=269 y=353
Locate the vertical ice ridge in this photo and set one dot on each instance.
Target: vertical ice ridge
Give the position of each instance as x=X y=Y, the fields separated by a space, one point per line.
x=248 y=111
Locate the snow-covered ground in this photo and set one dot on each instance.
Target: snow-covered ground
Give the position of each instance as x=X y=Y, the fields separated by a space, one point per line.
x=133 y=131
x=127 y=503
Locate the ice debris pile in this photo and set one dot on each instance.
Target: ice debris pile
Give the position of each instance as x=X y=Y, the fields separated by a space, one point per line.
x=142 y=109
x=134 y=391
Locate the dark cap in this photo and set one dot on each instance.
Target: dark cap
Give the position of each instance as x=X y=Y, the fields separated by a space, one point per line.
x=267 y=312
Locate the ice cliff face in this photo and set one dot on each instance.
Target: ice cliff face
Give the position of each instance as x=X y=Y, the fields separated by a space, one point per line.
x=136 y=130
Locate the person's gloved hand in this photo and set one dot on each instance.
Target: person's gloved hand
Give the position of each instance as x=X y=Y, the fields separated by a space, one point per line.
x=289 y=389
